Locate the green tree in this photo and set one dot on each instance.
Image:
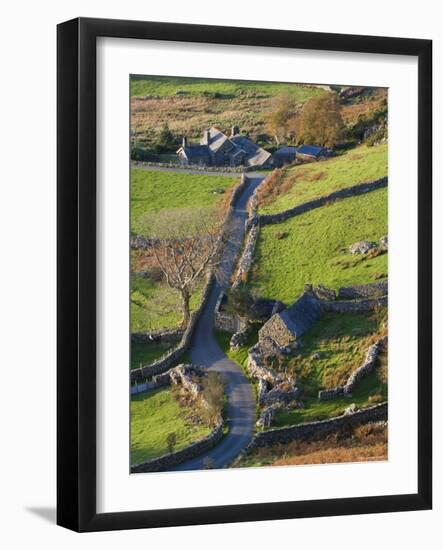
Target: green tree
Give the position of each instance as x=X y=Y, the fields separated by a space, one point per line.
x=171 y=440
x=278 y=119
x=166 y=138
x=240 y=302
x=320 y=122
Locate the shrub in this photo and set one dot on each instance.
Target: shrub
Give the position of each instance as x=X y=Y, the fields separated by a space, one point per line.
x=171 y=440
x=212 y=399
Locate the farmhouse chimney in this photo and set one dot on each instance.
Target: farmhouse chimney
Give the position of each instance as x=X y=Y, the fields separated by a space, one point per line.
x=208 y=136
x=235 y=130
x=184 y=141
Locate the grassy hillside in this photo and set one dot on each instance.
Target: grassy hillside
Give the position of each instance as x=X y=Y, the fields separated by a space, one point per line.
x=309 y=181
x=155 y=306
x=154 y=415
x=152 y=191
x=164 y=86
x=313 y=248
x=202 y=103
x=341 y=342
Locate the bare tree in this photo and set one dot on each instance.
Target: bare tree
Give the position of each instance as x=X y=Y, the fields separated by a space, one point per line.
x=186 y=245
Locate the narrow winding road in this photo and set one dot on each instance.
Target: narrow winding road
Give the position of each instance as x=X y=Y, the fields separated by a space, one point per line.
x=206 y=352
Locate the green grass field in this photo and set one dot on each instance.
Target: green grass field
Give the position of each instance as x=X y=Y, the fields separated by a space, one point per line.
x=154 y=415
x=314 y=248
x=317 y=179
x=163 y=86
x=144 y=354
x=155 y=306
x=153 y=191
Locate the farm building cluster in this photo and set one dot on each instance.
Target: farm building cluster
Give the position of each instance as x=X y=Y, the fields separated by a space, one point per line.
x=217 y=149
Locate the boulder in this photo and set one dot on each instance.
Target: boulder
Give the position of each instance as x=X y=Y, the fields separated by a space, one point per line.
x=362 y=247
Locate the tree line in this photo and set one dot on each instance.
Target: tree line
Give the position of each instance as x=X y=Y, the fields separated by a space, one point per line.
x=319 y=122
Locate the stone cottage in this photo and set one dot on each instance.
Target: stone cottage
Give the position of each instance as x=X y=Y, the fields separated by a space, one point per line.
x=283 y=328
x=217 y=149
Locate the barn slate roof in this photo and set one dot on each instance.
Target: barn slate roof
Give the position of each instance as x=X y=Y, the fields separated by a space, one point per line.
x=302 y=314
x=286 y=151
x=312 y=150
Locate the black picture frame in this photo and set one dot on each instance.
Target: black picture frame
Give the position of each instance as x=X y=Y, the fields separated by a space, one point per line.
x=76 y=293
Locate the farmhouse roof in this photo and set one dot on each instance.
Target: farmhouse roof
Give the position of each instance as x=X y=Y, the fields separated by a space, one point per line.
x=302 y=314
x=311 y=150
x=216 y=139
x=255 y=154
x=196 y=152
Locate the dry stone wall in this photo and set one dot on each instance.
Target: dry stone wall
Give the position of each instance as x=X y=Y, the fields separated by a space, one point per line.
x=311 y=430
x=361 y=372
x=361 y=292
x=361 y=188
x=170 y=336
x=350 y=306
x=247 y=257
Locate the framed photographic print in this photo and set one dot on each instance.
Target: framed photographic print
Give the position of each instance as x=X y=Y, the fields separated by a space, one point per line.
x=244 y=274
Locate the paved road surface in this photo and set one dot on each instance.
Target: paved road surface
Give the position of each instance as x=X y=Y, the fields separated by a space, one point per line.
x=205 y=351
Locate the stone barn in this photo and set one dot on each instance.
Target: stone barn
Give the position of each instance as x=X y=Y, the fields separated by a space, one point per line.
x=283 y=328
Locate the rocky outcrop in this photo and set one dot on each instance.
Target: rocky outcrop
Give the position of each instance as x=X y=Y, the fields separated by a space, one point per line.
x=362 y=247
